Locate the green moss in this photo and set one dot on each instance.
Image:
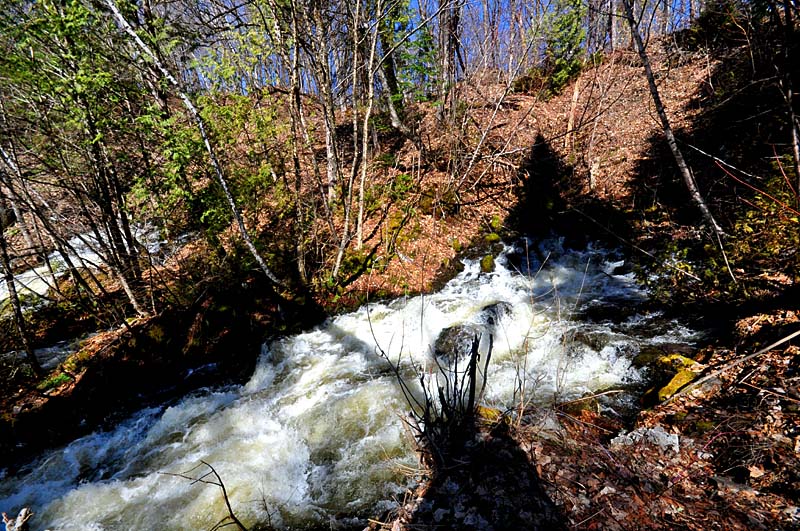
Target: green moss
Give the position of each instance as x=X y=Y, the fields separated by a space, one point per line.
x=490 y=416
x=456 y=245
x=76 y=361
x=496 y=224
x=704 y=426
x=157 y=333
x=682 y=378
x=487 y=264
x=54 y=381
x=492 y=237
x=676 y=361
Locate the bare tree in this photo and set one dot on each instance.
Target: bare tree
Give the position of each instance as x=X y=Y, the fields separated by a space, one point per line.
x=683 y=167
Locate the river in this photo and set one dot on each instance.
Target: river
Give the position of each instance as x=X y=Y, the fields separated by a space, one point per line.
x=315 y=437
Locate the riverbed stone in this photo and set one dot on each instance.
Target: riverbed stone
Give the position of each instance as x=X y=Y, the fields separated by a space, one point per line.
x=487 y=264
x=596 y=340
x=493 y=313
x=455 y=342
x=683 y=377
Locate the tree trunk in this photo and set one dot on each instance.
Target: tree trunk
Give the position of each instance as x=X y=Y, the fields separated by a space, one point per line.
x=12 y=165
x=788 y=93
x=8 y=276
x=322 y=72
x=449 y=21
x=685 y=172
x=365 y=136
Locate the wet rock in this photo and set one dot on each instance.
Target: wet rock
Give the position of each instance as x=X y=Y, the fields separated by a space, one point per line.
x=647 y=356
x=666 y=356
x=492 y=314
x=622 y=269
x=487 y=264
x=596 y=340
x=455 y=343
x=682 y=378
x=669 y=374
x=522 y=262
x=609 y=310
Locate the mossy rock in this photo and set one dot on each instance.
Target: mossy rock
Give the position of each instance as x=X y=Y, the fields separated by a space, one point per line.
x=490 y=415
x=670 y=373
x=683 y=377
x=660 y=363
x=676 y=361
x=487 y=264
x=647 y=356
x=492 y=237
x=455 y=342
x=594 y=339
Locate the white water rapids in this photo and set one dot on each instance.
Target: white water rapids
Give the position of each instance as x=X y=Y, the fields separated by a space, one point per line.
x=315 y=436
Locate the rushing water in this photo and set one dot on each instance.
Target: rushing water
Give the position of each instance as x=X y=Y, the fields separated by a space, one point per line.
x=315 y=436
x=35 y=283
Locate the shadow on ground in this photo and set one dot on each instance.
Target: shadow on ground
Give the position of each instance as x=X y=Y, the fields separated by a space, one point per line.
x=492 y=485
x=552 y=203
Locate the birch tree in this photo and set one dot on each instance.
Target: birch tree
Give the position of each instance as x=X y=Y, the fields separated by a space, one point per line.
x=195 y=114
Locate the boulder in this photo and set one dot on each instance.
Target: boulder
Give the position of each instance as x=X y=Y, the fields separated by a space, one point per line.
x=493 y=313
x=669 y=373
x=455 y=342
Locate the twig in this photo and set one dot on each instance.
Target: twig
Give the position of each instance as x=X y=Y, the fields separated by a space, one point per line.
x=218 y=482
x=581 y=422
x=757 y=190
x=609 y=392
x=579 y=524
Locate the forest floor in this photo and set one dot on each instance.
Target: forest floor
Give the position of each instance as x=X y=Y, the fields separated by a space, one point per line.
x=724 y=455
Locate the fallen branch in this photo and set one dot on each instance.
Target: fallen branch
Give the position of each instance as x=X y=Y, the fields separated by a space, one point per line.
x=731 y=365
x=590 y=397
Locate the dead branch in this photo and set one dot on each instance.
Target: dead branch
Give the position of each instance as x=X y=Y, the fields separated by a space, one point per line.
x=231 y=519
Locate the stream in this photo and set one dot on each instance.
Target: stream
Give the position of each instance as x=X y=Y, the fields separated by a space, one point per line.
x=315 y=438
